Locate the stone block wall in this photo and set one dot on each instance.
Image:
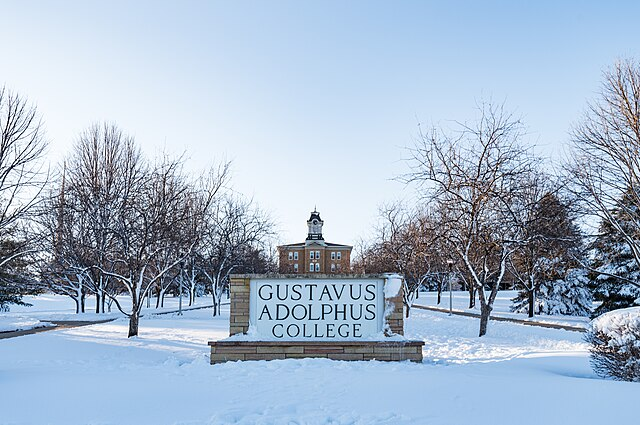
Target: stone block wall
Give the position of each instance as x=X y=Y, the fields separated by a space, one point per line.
x=239 y=308
x=224 y=351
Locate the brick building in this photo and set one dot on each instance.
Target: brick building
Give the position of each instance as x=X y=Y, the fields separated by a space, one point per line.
x=314 y=255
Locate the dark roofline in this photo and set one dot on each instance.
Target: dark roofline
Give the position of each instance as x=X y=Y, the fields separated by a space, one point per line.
x=292 y=245
x=303 y=244
x=338 y=245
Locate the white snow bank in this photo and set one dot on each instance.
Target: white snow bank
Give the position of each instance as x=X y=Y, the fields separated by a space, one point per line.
x=53 y=307
x=20 y=323
x=618 y=326
x=454 y=339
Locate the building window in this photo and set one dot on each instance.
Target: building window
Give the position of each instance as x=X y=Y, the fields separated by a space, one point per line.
x=311 y=255
x=310 y=267
x=295 y=267
x=333 y=255
x=290 y=256
x=317 y=267
x=317 y=255
x=338 y=255
x=333 y=267
x=295 y=255
x=338 y=266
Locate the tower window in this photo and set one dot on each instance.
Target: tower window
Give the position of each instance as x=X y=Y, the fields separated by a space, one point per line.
x=290 y=256
x=295 y=267
x=310 y=267
x=333 y=267
x=333 y=255
x=317 y=267
x=295 y=255
x=317 y=255
x=311 y=255
x=338 y=255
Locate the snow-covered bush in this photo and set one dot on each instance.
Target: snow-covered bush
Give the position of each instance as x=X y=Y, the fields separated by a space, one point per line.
x=568 y=296
x=615 y=344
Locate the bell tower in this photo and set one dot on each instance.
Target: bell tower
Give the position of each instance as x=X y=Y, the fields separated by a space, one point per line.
x=315 y=227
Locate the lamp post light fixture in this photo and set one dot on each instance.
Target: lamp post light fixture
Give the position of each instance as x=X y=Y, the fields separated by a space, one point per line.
x=450 y=264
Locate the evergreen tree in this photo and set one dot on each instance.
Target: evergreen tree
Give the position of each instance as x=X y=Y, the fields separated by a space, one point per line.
x=548 y=259
x=568 y=295
x=616 y=275
x=16 y=279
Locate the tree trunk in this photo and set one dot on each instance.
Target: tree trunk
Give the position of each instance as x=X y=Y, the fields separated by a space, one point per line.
x=192 y=291
x=219 y=302
x=133 y=324
x=215 y=307
x=532 y=300
x=77 y=301
x=213 y=298
x=472 y=297
x=102 y=294
x=102 y=302
x=82 y=299
x=407 y=308
x=109 y=304
x=485 y=312
x=439 y=292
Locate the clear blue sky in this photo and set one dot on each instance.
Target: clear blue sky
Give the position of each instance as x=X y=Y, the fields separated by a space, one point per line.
x=313 y=101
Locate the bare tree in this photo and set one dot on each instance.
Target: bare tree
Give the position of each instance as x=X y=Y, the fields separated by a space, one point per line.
x=120 y=219
x=209 y=194
x=64 y=230
x=95 y=174
x=606 y=158
x=472 y=179
x=144 y=228
x=236 y=230
x=22 y=146
x=22 y=178
x=404 y=242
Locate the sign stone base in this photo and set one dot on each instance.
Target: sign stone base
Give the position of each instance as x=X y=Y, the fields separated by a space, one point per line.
x=392 y=322
x=224 y=351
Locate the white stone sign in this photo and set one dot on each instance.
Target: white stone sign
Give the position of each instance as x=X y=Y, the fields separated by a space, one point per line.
x=316 y=309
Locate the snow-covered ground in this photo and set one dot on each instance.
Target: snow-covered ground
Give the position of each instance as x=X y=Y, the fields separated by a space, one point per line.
x=501 y=307
x=51 y=307
x=515 y=374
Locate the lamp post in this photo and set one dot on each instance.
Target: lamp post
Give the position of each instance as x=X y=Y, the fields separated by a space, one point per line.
x=181 y=280
x=450 y=264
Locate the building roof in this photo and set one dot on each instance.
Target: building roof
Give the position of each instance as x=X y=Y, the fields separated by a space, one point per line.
x=303 y=244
